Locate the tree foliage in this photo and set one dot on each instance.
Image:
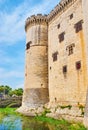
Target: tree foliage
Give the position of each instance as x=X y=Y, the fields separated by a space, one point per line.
x=7 y=90
x=18 y=92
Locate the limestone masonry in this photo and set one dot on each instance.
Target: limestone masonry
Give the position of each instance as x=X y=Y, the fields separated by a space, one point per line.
x=56 y=69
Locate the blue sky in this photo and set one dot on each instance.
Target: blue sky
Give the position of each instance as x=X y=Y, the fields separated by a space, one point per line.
x=13 y=14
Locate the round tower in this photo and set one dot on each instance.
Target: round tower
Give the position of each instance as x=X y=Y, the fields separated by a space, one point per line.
x=36 y=68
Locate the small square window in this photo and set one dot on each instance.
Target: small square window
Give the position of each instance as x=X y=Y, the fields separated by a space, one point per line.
x=50 y=67
x=78 y=26
x=58 y=26
x=71 y=16
x=64 y=69
x=61 y=37
x=55 y=56
x=78 y=65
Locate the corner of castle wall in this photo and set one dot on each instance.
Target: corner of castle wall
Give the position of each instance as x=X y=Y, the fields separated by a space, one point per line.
x=85 y=122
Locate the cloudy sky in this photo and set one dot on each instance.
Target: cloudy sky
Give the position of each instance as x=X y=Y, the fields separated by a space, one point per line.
x=13 y=14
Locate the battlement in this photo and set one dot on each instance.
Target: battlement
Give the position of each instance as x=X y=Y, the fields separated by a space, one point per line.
x=60 y=8
x=39 y=18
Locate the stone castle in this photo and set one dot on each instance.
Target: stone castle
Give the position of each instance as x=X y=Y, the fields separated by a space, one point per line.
x=56 y=70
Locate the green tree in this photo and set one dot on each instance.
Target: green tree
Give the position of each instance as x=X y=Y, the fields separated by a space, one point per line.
x=5 y=89
x=18 y=92
x=1 y=89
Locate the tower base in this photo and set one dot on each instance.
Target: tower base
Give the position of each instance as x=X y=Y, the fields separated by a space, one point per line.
x=34 y=99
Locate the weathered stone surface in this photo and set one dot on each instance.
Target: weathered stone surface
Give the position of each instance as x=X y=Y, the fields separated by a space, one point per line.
x=36 y=70
x=34 y=97
x=69 y=88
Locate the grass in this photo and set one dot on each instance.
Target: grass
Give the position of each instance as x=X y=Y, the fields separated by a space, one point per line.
x=7 y=111
x=61 y=124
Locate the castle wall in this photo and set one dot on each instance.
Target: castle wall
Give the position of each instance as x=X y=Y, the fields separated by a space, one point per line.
x=69 y=87
x=85 y=15
x=56 y=69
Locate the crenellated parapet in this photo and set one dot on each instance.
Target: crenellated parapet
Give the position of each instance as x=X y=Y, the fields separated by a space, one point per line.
x=39 y=18
x=36 y=19
x=62 y=6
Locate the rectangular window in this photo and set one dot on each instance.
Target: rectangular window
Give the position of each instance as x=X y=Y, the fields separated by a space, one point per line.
x=58 y=26
x=55 y=56
x=70 y=48
x=65 y=69
x=78 y=65
x=71 y=16
x=78 y=26
x=61 y=37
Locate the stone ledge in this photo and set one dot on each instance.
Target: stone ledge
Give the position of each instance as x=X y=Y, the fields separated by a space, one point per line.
x=71 y=115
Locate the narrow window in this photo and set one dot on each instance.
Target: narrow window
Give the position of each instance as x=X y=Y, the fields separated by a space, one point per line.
x=28 y=45
x=58 y=26
x=71 y=16
x=65 y=69
x=61 y=37
x=70 y=50
x=78 y=26
x=55 y=56
x=78 y=65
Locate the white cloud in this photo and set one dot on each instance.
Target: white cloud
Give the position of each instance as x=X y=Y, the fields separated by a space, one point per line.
x=10 y=74
x=12 y=24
